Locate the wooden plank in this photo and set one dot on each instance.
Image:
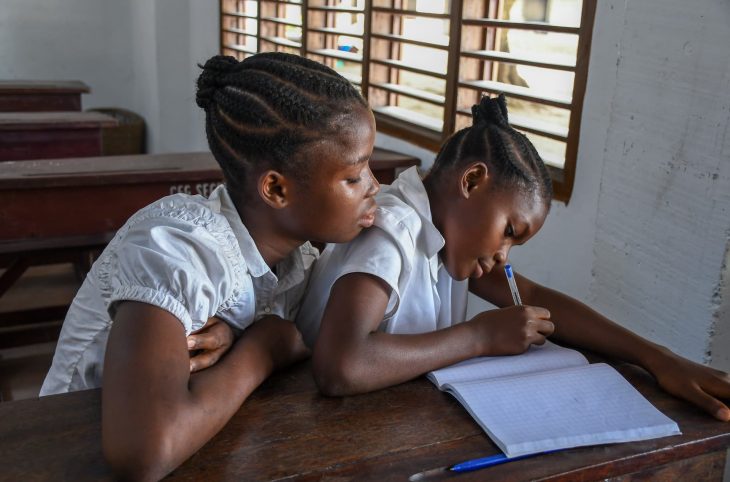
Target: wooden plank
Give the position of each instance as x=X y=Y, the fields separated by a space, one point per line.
x=41 y=95
x=286 y=430
x=61 y=198
x=92 y=196
x=46 y=135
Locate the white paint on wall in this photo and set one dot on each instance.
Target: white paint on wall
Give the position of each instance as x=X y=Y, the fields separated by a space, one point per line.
x=664 y=206
x=88 y=40
x=720 y=339
x=139 y=55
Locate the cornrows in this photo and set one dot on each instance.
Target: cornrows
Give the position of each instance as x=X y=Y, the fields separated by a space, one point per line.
x=506 y=152
x=261 y=111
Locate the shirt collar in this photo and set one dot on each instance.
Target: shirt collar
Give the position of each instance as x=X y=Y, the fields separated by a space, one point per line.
x=411 y=188
x=291 y=269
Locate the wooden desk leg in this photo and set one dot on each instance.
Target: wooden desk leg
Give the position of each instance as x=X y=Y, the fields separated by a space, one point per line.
x=14 y=271
x=705 y=467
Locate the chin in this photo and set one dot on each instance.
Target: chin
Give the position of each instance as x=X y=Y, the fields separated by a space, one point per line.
x=458 y=275
x=345 y=237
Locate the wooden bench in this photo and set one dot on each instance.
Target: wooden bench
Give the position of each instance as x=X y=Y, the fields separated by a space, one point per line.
x=41 y=95
x=46 y=135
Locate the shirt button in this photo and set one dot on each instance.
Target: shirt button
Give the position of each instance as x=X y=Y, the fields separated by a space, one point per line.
x=267 y=309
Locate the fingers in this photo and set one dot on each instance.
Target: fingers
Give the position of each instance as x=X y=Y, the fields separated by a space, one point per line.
x=205 y=360
x=545 y=327
x=204 y=341
x=538 y=312
x=709 y=404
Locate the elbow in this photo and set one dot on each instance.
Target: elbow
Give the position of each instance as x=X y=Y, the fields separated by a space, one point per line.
x=147 y=458
x=337 y=377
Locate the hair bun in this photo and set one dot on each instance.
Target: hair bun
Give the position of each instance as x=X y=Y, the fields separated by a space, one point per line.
x=213 y=77
x=491 y=111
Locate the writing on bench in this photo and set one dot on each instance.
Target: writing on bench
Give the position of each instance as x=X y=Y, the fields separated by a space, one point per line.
x=202 y=188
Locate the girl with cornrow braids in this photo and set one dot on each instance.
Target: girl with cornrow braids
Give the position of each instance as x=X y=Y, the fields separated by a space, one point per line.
x=391 y=305
x=293 y=139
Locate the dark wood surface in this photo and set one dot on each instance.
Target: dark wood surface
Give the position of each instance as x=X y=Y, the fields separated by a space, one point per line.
x=41 y=95
x=51 y=135
x=57 y=198
x=286 y=430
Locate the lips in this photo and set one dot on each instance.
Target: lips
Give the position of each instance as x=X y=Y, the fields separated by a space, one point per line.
x=481 y=268
x=368 y=218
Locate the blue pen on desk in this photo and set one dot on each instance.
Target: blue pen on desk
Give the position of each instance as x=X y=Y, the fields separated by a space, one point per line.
x=512 y=285
x=485 y=462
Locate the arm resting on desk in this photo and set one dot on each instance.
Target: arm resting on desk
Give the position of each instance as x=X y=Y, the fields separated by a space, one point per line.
x=155 y=414
x=580 y=326
x=352 y=356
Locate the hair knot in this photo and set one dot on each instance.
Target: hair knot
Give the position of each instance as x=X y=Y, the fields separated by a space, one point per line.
x=491 y=111
x=213 y=77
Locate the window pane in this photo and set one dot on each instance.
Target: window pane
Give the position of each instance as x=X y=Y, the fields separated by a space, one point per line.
x=409 y=115
x=556 y=12
x=352 y=71
x=409 y=61
x=551 y=151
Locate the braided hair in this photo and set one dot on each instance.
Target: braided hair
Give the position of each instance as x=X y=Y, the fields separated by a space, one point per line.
x=261 y=112
x=507 y=153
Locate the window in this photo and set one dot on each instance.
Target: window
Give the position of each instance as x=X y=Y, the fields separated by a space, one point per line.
x=422 y=64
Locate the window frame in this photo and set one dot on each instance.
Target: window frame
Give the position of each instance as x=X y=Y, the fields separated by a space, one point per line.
x=266 y=23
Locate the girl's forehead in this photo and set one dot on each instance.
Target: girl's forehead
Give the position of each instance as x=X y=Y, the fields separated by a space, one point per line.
x=523 y=204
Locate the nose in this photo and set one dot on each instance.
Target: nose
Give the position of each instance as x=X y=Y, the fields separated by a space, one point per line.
x=374 y=184
x=501 y=256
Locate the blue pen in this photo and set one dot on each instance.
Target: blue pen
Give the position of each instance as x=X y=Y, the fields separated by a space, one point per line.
x=512 y=285
x=485 y=462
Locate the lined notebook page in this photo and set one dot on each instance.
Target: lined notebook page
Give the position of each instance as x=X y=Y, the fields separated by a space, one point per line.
x=577 y=406
x=538 y=358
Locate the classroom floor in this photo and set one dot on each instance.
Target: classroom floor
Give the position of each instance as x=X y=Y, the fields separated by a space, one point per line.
x=24 y=362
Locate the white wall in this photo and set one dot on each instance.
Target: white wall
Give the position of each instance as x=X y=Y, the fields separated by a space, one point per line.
x=88 y=40
x=135 y=54
x=663 y=219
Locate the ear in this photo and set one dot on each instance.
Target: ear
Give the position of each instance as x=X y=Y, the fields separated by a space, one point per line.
x=273 y=189
x=473 y=177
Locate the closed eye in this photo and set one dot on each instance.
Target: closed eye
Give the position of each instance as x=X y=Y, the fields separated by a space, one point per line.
x=510 y=231
x=352 y=180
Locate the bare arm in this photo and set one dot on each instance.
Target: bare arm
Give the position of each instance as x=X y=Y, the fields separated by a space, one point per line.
x=351 y=356
x=581 y=326
x=155 y=414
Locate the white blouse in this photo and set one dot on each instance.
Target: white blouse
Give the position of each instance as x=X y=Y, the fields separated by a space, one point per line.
x=401 y=249
x=188 y=255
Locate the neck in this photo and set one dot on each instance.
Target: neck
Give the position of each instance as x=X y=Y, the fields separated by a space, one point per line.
x=436 y=201
x=271 y=241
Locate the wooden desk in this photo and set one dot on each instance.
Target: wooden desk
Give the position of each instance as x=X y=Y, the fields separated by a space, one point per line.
x=90 y=196
x=51 y=135
x=287 y=430
x=94 y=196
x=41 y=95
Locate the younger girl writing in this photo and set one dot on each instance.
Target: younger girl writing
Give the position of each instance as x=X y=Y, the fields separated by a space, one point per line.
x=292 y=138
x=392 y=303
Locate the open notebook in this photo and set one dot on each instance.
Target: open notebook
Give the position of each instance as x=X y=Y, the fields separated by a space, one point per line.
x=551 y=398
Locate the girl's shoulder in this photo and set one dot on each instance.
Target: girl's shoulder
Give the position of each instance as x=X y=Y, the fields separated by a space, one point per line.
x=404 y=212
x=184 y=209
x=177 y=226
